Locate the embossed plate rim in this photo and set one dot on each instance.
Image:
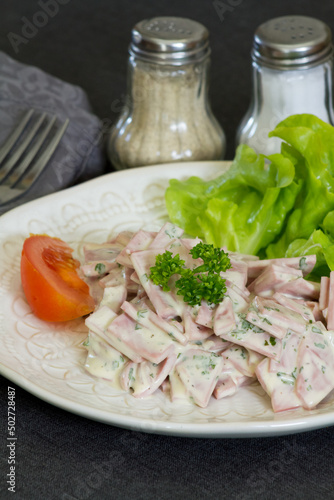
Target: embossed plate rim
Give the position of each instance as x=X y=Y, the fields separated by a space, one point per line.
x=59 y=205
x=260 y=428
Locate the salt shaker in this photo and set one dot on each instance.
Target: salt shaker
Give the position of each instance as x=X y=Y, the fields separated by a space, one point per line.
x=167 y=115
x=292 y=59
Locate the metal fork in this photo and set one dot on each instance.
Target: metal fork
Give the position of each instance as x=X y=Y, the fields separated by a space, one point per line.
x=27 y=152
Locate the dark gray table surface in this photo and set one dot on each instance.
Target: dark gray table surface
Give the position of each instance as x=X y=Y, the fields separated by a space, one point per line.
x=63 y=456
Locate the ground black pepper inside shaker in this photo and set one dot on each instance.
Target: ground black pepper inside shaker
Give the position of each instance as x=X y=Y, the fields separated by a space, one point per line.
x=167 y=116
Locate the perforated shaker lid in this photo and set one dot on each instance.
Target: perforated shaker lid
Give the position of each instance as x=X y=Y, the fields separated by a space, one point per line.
x=292 y=42
x=170 y=40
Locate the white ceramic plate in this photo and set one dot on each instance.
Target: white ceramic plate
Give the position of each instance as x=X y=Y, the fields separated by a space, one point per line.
x=47 y=359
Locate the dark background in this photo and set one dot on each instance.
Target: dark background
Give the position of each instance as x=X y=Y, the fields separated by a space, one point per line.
x=61 y=456
x=86 y=43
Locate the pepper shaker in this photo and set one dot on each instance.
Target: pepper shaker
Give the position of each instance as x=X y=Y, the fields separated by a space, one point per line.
x=292 y=60
x=167 y=116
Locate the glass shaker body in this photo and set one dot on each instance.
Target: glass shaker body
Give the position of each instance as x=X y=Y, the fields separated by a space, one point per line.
x=292 y=63
x=167 y=116
x=278 y=94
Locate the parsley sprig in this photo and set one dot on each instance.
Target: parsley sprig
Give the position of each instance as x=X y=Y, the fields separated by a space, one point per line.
x=201 y=283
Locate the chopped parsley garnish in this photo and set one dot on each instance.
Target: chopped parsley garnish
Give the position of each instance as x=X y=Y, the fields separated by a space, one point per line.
x=131 y=377
x=302 y=263
x=100 y=268
x=165 y=267
x=272 y=341
x=202 y=283
x=287 y=378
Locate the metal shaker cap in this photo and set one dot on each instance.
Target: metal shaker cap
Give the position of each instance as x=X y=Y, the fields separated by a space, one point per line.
x=292 y=42
x=170 y=40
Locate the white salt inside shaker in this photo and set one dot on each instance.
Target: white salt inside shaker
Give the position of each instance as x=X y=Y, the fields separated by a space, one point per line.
x=292 y=61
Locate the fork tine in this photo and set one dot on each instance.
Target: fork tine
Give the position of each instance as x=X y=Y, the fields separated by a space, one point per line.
x=24 y=164
x=4 y=150
x=26 y=181
x=12 y=160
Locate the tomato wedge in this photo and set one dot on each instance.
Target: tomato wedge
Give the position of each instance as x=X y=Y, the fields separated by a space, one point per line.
x=50 y=281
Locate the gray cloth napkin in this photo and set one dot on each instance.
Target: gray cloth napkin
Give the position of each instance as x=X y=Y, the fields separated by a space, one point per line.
x=80 y=155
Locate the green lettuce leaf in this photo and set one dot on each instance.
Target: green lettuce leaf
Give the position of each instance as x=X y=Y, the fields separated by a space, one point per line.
x=311 y=149
x=319 y=244
x=276 y=206
x=244 y=209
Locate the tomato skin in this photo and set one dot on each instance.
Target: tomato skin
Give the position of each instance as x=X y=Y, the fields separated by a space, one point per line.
x=50 y=281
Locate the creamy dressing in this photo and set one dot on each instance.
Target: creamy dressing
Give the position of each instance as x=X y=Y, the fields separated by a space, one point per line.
x=253 y=337
x=103 y=361
x=199 y=371
x=266 y=328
